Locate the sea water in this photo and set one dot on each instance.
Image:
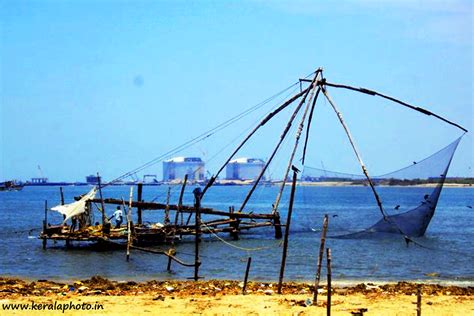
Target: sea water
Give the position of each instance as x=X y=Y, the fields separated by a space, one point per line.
x=444 y=254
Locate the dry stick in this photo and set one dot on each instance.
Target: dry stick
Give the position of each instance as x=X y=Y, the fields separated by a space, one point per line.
x=101 y=203
x=275 y=150
x=176 y=218
x=418 y=300
x=249 y=261
x=320 y=259
x=328 y=255
x=45 y=223
x=129 y=222
x=287 y=230
x=262 y=123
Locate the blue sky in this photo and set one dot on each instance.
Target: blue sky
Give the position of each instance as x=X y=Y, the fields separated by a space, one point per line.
x=105 y=86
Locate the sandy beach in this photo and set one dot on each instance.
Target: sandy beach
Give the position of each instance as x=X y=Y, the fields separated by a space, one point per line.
x=220 y=297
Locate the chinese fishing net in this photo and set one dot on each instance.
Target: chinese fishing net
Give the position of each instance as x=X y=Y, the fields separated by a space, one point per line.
x=409 y=197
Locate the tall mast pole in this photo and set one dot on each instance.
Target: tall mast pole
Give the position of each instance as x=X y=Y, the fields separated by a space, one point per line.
x=314 y=91
x=282 y=138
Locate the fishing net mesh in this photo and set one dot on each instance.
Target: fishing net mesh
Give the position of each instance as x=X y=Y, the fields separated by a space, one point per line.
x=409 y=197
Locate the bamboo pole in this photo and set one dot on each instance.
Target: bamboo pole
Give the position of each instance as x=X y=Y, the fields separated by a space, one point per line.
x=416 y=108
x=184 y=208
x=320 y=259
x=308 y=127
x=418 y=300
x=101 y=203
x=277 y=147
x=45 y=223
x=249 y=261
x=356 y=151
x=328 y=256
x=129 y=223
x=62 y=195
x=262 y=123
x=139 y=198
x=297 y=138
x=287 y=230
x=197 y=204
x=167 y=209
x=176 y=218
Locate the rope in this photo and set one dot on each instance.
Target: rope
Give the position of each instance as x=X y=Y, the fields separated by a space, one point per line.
x=232 y=245
x=201 y=136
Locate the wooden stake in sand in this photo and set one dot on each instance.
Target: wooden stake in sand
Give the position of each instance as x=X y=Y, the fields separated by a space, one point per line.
x=320 y=259
x=418 y=300
x=287 y=229
x=328 y=256
x=249 y=261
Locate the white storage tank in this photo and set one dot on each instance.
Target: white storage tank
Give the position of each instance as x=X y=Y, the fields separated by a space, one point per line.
x=176 y=168
x=244 y=169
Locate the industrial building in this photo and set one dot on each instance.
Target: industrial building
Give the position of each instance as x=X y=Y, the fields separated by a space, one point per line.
x=244 y=169
x=176 y=168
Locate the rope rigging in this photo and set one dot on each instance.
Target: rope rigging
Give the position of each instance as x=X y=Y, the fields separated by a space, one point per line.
x=202 y=136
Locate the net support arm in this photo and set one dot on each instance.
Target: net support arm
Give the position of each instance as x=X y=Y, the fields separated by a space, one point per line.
x=313 y=95
x=356 y=151
x=262 y=123
x=310 y=118
x=282 y=138
x=375 y=93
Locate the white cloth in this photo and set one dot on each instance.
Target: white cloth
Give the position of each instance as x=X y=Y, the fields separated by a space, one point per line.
x=75 y=208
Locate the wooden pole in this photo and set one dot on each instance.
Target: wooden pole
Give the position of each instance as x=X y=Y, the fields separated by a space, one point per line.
x=287 y=230
x=139 y=198
x=129 y=222
x=262 y=123
x=197 y=204
x=62 y=195
x=167 y=209
x=418 y=300
x=275 y=150
x=314 y=91
x=101 y=203
x=249 y=261
x=176 y=218
x=328 y=256
x=277 y=225
x=320 y=259
x=45 y=223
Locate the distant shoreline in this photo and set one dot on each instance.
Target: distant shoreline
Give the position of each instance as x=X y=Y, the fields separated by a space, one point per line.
x=246 y=183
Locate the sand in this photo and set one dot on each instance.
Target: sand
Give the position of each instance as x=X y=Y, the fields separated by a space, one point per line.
x=218 y=297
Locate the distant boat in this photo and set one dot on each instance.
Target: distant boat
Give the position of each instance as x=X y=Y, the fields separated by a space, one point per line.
x=11 y=185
